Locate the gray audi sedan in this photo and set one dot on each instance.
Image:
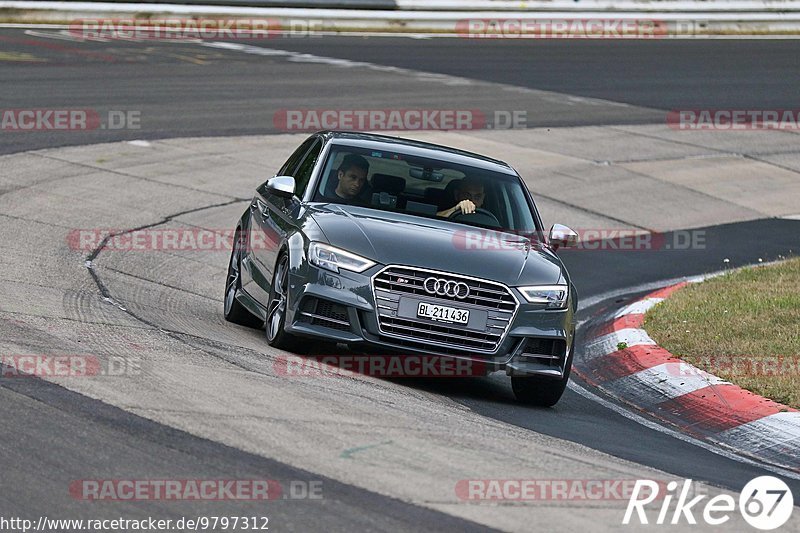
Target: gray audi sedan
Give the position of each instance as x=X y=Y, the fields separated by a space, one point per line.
x=394 y=246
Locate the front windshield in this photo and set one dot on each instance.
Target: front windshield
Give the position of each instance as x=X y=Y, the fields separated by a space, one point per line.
x=398 y=182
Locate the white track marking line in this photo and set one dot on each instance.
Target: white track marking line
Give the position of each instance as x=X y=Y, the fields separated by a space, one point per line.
x=420 y=75
x=336 y=62
x=62 y=35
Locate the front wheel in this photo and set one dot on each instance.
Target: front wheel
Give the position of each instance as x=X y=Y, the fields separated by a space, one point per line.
x=277 y=309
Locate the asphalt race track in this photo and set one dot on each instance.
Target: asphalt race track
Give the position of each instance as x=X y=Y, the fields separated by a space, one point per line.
x=209 y=405
x=190 y=90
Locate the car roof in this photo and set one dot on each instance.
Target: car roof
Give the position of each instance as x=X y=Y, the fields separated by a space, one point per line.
x=419 y=149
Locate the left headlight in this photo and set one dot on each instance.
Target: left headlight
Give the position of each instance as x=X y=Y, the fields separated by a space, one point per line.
x=332 y=258
x=555 y=296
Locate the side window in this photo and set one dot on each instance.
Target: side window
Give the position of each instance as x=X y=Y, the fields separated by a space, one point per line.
x=290 y=166
x=303 y=174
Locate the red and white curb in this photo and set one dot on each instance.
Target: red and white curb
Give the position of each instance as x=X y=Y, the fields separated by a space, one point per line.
x=622 y=360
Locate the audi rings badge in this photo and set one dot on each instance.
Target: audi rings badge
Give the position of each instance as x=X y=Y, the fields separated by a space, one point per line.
x=445 y=287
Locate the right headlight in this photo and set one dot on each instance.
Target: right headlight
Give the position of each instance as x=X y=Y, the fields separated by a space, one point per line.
x=554 y=296
x=332 y=258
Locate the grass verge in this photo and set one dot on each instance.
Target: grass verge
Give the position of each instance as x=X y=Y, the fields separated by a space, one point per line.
x=743 y=327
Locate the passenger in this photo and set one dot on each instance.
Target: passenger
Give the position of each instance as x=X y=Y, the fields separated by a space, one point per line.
x=469 y=196
x=351 y=176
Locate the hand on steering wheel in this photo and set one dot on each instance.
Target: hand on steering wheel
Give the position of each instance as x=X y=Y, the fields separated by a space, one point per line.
x=465 y=206
x=479 y=212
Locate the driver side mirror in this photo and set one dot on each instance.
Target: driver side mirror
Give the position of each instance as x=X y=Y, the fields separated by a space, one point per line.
x=562 y=236
x=281 y=186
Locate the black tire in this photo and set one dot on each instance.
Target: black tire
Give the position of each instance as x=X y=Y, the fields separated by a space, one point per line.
x=276 y=309
x=234 y=311
x=540 y=390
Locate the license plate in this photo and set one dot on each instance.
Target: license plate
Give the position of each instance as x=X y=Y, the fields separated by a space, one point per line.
x=443 y=313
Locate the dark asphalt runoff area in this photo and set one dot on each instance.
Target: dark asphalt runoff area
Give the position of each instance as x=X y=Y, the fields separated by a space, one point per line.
x=185 y=90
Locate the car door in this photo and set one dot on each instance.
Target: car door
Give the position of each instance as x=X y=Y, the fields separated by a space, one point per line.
x=275 y=216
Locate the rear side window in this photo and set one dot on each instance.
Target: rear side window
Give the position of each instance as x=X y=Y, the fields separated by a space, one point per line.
x=303 y=173
x=289 y=167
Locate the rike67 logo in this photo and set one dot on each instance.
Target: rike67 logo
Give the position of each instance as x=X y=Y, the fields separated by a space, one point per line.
x=766 y=503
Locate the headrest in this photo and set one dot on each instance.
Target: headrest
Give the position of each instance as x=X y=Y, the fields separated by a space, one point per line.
x=450 y=190
x=388 y=183
x=435 y=196
x=331 y=184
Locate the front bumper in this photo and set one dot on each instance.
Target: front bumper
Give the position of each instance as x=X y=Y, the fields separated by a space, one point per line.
x=341 y=308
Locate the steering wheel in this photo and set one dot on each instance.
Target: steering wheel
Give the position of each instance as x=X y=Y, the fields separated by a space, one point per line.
x=481 y=216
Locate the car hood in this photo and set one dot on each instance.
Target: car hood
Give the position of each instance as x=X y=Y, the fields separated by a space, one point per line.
x=400 y=239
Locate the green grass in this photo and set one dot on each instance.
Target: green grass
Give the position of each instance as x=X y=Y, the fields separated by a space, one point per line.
x=743 y=327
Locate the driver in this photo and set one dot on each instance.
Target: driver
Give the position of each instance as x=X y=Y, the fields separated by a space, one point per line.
x=469 y=196
x=351 y=176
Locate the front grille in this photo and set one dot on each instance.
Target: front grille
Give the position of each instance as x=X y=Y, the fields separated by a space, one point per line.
x=324 y=313
x=393 y=283
x=483 y=293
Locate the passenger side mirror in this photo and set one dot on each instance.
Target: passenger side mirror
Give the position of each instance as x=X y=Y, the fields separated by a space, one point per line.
x=562 y=236
x=281 y=185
